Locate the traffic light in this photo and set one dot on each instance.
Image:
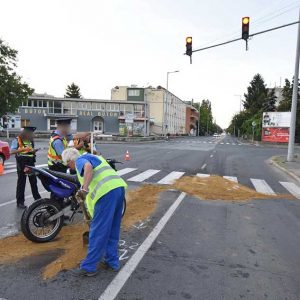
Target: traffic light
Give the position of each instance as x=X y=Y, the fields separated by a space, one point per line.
x=189 y=46
x=245 y=28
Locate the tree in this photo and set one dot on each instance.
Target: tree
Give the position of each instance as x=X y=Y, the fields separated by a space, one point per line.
x=73 y=91
x=12 y=89
x=256 y=95
x=270 y=101
x=206 y=118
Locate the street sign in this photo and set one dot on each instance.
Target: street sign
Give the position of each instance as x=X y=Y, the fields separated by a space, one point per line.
x=253 y=124
x=129 y=118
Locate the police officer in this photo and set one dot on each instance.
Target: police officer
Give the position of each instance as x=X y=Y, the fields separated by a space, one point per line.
x=59 y=142
x=23 y=148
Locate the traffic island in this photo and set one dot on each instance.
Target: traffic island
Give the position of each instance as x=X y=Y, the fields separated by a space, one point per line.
x=290 y=168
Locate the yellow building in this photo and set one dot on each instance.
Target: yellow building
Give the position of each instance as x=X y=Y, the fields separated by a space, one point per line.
x=166 y=111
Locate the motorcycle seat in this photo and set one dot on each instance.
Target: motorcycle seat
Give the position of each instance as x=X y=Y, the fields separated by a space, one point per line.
x=68 y=177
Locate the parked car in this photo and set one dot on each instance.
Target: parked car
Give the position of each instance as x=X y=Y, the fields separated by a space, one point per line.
x=4 y=151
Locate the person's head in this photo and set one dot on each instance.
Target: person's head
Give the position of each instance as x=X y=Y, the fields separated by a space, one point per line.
x=27 y=132
x=69 y=157
x=64 y=126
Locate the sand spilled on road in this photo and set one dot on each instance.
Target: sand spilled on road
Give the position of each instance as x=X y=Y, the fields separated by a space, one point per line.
x=141 y=203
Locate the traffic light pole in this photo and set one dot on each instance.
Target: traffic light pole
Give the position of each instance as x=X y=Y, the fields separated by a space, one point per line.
x=291 y=147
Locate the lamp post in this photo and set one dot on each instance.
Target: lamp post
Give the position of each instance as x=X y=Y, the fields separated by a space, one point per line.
x=165 y=102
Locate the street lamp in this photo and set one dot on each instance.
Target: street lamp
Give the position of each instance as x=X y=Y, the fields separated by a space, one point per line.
x=165 y=102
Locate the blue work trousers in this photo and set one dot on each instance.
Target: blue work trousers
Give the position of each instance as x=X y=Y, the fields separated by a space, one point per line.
x=105 y=231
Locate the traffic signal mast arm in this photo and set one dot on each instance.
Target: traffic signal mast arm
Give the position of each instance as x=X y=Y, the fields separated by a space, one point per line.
x=250 y=35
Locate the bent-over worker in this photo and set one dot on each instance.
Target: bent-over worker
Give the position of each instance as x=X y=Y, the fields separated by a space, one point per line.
x=103 y=191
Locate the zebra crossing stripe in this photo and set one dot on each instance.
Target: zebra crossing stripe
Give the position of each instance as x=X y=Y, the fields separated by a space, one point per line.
x=292 y=188
x=232 y=178
x=10 y=163
x=261 y=186
x=125 y=171
x=202 y=175
x=143 y=176
x=171 y=177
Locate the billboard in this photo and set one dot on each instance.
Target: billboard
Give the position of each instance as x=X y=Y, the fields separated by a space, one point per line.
x=275 y=127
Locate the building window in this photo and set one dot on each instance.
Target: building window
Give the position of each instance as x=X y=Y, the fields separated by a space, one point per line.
x=98 y=106
x=84 y=105
x=112 y=107
x=138 y=110
x=129 y=109
x=52 y=124
x=134 y=93
x=25 y=122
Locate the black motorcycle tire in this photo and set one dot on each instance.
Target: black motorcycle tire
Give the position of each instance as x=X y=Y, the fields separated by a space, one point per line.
x=27 y=213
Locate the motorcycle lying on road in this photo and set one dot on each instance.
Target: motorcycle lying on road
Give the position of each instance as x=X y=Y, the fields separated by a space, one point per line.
x=44 y=218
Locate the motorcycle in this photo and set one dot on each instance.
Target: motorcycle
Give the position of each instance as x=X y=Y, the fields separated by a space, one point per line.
x=43 y=219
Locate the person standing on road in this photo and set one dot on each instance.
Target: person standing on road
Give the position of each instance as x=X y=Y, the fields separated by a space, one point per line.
x=23 y=148
x=103 y=191
x=59 y=142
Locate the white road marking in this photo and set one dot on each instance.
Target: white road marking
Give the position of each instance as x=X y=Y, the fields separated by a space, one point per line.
x=221 y=143
x=227 y=143
x=143 y=176
x=125 y=171
x=261 y=186
x=211 y=156
x=232 y=178
x=202 y=175
x=9 y=163
x=15 y=170
x=171 y=177
x=203 y=167
x=113 y=289
x=204 y=142
x=15 y=201
x=292 y=188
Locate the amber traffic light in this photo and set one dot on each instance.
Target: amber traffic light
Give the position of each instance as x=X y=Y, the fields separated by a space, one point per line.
x=189 y=46
x=245 y=28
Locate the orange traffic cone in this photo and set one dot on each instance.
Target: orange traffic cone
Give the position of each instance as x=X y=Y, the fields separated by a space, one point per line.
x=1 y=167
x=127 y=155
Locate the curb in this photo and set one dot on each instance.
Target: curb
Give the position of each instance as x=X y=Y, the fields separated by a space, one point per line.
x=277 y=165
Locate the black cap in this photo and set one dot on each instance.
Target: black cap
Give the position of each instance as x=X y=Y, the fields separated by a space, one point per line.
x=63 y=121
x=29 y=128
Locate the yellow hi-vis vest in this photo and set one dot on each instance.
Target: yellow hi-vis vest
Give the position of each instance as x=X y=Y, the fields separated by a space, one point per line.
x=53 y=157
x=24 y=144
x=105 y=179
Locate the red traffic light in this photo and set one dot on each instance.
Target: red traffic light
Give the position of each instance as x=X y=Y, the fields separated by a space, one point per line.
x=245 y=28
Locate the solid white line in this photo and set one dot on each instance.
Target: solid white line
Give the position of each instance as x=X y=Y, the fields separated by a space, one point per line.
x=202 y=175
x=232 y=178
x=292 y=188
x=15 y=201
x=125 y=171
x=170 y=178
x=143 y=176
x=261 y=186
x=113 y=289
x=203 y=167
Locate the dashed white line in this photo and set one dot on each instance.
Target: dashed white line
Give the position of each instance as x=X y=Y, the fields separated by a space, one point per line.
x=202 y=175
x=211 y=156
x=203 y=167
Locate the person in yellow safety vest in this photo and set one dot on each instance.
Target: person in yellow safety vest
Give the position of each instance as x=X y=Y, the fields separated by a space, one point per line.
x=23 y=148
x=103 y=191
x=83 y=145
x=59 y=142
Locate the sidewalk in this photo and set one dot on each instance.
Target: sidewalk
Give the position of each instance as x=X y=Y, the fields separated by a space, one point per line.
x=291 y=168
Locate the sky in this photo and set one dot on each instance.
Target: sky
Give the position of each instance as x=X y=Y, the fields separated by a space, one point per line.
x=101 y=44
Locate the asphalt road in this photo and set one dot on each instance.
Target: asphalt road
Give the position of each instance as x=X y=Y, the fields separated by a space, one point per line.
x=203 y=249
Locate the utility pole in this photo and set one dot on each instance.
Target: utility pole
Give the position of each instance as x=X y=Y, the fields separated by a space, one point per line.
x=291 y=147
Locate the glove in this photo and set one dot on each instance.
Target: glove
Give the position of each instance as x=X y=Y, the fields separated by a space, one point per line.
x=82 y=194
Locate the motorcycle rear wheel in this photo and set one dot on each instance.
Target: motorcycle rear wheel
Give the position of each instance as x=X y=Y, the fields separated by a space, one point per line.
x=34 y=223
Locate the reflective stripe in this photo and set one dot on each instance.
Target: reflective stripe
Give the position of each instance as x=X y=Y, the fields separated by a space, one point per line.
x=104 y=180
x=99 y=171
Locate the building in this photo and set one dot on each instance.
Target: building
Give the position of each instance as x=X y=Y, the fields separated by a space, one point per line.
x=104 y=116
x=192 y=119
x=278 y=94
x=167 y=112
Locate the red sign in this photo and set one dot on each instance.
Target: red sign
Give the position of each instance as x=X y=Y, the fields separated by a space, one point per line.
x=275 y=135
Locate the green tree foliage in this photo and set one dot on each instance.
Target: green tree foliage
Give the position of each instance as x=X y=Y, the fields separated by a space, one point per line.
x=12 y=89
x=270 y=101
x=73 y=91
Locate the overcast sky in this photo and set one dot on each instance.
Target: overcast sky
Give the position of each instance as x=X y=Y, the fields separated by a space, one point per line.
x=100 y=44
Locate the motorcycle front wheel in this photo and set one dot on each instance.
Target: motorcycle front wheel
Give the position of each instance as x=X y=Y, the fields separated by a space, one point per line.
x=34 y=222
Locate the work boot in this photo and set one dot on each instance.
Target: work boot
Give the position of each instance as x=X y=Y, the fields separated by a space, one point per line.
x=81 y=273
x=104 y=265
x=21 y=205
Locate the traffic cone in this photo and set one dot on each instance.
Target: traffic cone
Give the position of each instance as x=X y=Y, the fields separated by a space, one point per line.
x=127 y=155
x=1 y=167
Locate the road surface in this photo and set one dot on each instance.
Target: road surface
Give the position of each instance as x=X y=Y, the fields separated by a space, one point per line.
x=188 y=249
